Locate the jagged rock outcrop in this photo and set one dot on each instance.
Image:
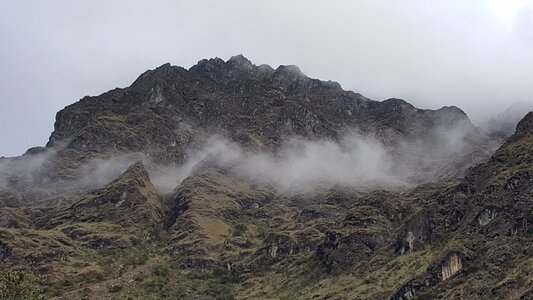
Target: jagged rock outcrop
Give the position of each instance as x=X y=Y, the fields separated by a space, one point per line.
x=451 y=266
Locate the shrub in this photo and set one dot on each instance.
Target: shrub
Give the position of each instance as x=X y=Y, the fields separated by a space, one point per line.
x=162 y=271
x=240 y=229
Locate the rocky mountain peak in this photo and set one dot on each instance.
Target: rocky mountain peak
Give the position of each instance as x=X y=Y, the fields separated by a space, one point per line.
x=450 y=115
x=217 y=65
x=452 y=110
x=289 y=71
x=264 y=68
x=162 y=72
x=208 y=65
x=240 y=61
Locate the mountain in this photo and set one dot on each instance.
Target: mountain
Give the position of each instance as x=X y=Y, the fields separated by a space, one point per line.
x=231 y=180
x=168 y=109
x=505 y=122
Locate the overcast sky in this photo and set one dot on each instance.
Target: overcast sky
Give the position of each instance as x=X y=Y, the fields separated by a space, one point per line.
x=475 y=54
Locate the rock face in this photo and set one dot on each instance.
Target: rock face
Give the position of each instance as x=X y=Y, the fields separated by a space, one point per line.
x=85 y=212
x=451 y=266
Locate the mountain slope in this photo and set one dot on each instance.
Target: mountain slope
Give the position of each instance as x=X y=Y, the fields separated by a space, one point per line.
x=88 y=214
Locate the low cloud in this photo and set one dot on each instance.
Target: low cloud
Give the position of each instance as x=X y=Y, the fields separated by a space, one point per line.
x=298 y=163
x=37 y=176
x=505 y=122
x=353 y=160
x=22 y=170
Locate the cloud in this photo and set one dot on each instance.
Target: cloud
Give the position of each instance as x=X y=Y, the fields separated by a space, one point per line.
x=354 y=160
x=36 y=174
x=298 y=164
x=22 y=171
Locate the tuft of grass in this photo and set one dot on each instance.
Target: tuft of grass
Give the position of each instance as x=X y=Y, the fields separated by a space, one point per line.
x=240 y=229
x=161 y=271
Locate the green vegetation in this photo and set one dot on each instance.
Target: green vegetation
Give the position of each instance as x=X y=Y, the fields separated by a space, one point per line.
x=239 y=229
x=19 y=285
x=166 y=282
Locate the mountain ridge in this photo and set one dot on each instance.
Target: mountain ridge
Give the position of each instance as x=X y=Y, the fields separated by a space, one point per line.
x=171 y=109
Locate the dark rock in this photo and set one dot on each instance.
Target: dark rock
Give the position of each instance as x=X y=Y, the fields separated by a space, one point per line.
x=5 y=251
x=339 y=252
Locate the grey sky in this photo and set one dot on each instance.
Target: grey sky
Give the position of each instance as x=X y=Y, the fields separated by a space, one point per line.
x=476 y=54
